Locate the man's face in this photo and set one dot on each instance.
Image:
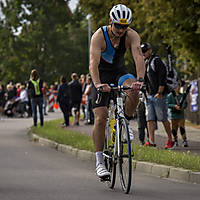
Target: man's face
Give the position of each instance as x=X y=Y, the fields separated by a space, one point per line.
x=147 y=54
x=119 y=29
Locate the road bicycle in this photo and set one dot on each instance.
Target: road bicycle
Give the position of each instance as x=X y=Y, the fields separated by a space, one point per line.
x=117 y=147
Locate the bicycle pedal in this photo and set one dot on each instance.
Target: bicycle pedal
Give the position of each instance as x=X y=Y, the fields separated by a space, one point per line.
x=105 y=179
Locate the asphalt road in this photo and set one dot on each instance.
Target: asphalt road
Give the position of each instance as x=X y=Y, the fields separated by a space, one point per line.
x=29 y=171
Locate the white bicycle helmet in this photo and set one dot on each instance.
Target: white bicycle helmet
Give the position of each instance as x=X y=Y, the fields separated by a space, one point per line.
x=120 y=14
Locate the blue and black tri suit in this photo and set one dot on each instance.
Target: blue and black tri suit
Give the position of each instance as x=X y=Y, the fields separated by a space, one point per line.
x=112 y=65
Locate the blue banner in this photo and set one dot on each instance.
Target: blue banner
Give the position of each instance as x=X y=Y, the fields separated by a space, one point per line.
x=194 y=94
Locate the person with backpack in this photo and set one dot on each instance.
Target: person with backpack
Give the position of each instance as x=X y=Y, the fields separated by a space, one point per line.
x=156 y=102
x=35 y=85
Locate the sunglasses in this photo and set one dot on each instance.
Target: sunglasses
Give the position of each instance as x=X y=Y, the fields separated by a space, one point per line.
x=144 y=50
x=119 y=26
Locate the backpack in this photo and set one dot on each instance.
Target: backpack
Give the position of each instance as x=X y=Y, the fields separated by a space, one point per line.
x=171 y=75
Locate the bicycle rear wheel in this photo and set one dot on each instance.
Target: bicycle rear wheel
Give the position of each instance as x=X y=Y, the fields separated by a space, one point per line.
x=125 y=157
x=109 y=159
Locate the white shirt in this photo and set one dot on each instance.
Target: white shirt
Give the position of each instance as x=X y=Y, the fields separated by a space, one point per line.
x=23 y=96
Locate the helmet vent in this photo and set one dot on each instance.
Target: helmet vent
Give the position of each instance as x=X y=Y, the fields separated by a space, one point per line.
x=118 y=12
x=114 y=16
x=124 y=13
x=128 y=15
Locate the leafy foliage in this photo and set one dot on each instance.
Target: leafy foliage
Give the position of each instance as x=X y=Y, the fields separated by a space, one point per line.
x=55 y=42
x=51 y=39
x=162 y=23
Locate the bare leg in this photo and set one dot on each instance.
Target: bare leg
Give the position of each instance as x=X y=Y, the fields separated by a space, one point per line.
x=99 y=128
x=131 y=100
x=167 y=127
x=151 y=130
x=77 y=116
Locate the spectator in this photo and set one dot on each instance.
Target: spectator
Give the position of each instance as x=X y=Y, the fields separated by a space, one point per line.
x=2 y=100
x=11 y=104
x=76 y=95
x=156 y=104
x=89 y=97
x=10 y=93
x=83 y=103
x=63 y=99
x=141 y=119
x=23 y=100
x=18 y=89
x=29 y=101
x=176 y=115
x=45 y=97
x=35 y=90
x=13 y=88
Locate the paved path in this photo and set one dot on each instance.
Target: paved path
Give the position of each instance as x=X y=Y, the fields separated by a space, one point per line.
x=29 y=171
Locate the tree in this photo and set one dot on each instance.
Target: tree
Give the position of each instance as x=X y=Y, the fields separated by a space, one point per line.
x=162 y=23
x=48 y=41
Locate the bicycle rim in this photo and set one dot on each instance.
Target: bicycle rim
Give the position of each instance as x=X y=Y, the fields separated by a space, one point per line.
x=125 y=158
x=110 y=162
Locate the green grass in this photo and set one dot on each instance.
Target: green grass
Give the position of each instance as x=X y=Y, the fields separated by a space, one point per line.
x=168 y=157
x=53 y=131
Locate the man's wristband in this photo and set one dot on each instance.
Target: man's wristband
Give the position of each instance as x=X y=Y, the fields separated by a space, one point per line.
x=140 y=79
x=160 y=93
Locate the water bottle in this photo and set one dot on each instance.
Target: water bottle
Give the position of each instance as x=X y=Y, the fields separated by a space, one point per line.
x=112 y=121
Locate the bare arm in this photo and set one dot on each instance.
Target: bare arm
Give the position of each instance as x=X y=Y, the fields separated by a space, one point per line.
x=96 y=47
x=88 y=90
x=137 y=53
x=95 y=53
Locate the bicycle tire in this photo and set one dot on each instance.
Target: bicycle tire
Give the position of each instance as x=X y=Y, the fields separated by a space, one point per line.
x=110 y=163
x=125 y=157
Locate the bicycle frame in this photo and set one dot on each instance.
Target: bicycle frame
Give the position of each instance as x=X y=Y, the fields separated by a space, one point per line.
x=119 y=104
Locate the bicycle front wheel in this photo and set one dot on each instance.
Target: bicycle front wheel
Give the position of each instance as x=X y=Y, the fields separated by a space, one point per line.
x=125 y=157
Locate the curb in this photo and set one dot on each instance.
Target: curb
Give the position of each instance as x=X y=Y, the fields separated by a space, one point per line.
x=162 y=171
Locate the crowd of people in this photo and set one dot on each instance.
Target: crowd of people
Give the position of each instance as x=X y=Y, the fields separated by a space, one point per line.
x=22 y=99
x=74 y=97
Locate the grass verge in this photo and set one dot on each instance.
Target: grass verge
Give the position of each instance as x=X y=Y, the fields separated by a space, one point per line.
x=53 y=131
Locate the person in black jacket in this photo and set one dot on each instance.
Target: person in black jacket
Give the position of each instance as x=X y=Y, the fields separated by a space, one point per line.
x=156 y=105
x=63 y=99
x=76 y=96
x=35 y=92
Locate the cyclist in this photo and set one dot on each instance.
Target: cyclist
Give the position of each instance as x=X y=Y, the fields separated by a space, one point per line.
x=108 y=46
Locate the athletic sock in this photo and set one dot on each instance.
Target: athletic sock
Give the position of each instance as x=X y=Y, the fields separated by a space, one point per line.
x=99 y=158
